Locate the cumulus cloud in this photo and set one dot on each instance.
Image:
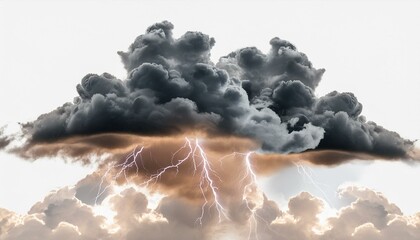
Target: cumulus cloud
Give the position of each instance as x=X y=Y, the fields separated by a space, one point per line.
x=62 y=214
x=173 y=88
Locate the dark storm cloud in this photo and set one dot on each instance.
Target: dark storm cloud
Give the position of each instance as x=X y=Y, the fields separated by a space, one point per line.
x=158 y=46
x=172 y=87
x=292 y=94
x=259 y=71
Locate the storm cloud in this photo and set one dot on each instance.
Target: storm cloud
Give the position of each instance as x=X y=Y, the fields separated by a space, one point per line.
x=173 y=88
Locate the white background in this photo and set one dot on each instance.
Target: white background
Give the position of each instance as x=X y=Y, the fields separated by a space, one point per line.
x=370 y=48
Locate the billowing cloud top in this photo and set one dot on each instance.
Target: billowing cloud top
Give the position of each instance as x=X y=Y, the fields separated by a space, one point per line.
x=172 y=87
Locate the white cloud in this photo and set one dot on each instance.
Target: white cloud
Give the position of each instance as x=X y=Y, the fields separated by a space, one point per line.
x=61 y=215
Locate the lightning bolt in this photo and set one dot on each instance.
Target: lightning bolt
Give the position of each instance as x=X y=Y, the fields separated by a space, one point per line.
x=248 y=190
x=192 y=150
x=201 y=164
x=207 y=180
x=155 y=177
x=308 y=173
x=251 y=196
x=129 y=162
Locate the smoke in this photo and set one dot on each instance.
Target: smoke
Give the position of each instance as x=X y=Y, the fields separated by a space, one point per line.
x=172 y=88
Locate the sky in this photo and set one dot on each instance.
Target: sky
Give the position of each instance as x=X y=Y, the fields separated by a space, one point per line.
x=369 y=48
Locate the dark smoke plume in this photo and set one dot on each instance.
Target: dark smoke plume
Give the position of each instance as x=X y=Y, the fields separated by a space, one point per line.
x=172 y=88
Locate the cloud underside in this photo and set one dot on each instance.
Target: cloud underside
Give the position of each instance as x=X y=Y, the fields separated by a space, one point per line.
x=113 y=147
x=69 y=214
x=173 y=88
